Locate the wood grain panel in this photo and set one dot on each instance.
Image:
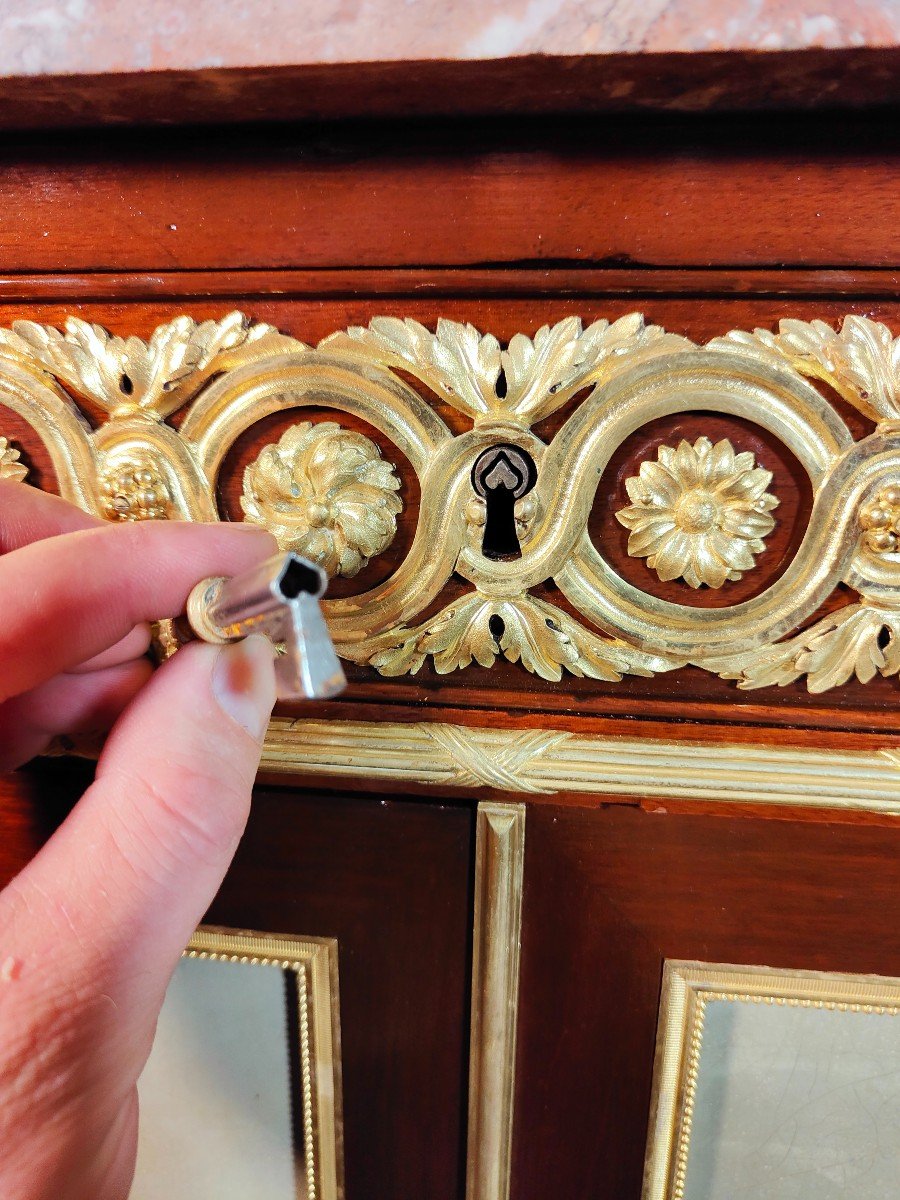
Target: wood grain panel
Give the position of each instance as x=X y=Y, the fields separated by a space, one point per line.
x=32 y=803
x=589 y=82
x=665 y=192
x=392 y=882
x=608 y=896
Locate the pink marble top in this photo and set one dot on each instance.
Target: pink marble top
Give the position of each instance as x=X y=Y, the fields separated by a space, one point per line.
x=96 y=37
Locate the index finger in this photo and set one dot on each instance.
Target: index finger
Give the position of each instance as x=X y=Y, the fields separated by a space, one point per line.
x=65 y=602
x=28 y=515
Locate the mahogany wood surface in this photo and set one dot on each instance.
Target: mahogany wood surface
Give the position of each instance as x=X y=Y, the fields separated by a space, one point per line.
x=391 y=880
x=608 y=896
x=742 y=190
x=33 y=801
x=347 y=283
x=703 y=224
x=607 y=84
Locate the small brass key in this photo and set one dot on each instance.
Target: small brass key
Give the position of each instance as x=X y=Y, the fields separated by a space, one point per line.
x=279 y=598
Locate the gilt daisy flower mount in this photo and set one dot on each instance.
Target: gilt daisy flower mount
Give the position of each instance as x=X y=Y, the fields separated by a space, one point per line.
x=700 y=513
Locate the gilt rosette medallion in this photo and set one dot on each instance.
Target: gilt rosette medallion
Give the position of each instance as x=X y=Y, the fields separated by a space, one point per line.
x=700 y=513
x=326 y=493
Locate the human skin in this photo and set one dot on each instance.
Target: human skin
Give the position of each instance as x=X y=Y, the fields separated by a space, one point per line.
x=92 y=929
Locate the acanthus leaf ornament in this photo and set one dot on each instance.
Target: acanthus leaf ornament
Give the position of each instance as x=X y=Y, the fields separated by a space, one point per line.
x=616 y=376
x=541 y=374
x=859 y=640
x=545 y=372
x=481 y=629
x=326 y=493
x=861 y=360
x=456 y=362
x=699 y=512
x=127 y=374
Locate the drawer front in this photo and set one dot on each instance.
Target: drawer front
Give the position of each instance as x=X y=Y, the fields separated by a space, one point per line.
x=610 y=517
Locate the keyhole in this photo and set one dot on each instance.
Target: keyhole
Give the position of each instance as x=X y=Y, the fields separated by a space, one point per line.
x=501 y=476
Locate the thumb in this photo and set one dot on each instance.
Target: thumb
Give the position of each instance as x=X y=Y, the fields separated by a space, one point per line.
x=114 y=896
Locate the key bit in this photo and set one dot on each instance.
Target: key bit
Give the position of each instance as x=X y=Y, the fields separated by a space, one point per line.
x=279 y=598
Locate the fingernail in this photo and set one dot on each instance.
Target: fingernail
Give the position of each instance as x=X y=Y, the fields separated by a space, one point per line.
x=243 y=682
x=247 y=527
x=267 y=541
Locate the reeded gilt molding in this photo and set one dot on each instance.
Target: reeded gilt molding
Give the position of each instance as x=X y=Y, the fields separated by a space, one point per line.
x=496 y=950
x=616 y=377
x=546 y=761
x=550 y=761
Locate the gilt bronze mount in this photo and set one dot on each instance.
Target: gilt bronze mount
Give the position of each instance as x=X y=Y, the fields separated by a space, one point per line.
x=327 y=491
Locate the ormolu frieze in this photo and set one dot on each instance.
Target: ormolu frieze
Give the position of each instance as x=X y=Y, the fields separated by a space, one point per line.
x=502 y=508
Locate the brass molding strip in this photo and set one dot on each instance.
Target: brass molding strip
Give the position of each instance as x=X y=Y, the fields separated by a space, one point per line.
x=687 y=990
x=545 y=761
x=314 y=963
x=499 y=864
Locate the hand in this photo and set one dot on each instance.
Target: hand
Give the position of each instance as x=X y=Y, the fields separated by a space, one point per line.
x=92 y=929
